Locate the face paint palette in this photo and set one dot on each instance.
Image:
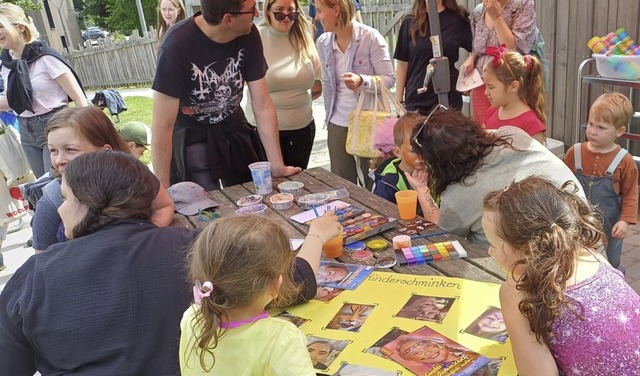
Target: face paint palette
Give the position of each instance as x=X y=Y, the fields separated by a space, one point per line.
x=364 y=226
x=433 y=252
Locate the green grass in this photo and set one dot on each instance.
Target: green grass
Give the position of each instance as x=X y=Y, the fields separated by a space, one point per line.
x=138 y=109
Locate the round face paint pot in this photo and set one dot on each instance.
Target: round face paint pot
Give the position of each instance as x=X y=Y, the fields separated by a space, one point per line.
x=355 y=246
x=362 y=255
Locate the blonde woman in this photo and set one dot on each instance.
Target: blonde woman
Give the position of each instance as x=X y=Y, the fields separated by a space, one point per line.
x=38 y=82
x=169 y=13
x=352 y=54
x=293 y=77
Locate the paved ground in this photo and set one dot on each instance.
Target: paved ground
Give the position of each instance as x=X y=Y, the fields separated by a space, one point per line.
x=16 y=252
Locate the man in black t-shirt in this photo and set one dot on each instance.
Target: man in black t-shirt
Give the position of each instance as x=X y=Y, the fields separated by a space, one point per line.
x=199 y=130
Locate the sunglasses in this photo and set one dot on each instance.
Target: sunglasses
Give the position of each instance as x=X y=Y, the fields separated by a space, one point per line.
x=435 y=109
x=280 y=16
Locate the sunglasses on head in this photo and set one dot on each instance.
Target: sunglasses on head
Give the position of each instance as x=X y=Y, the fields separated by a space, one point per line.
x=435 y=109
x=280 y=16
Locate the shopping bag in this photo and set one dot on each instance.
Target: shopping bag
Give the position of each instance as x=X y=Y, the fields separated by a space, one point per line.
x=363 y=123
x=12 y=204
x=13 y=161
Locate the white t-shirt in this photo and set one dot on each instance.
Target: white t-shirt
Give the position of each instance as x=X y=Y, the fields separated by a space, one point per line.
x=47 y=93
x=346 y=99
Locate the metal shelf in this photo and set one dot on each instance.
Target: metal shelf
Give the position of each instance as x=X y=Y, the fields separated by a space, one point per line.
x=597 y=80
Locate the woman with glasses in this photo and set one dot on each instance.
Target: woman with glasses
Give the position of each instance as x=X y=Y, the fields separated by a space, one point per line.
x=169 y=13
x=293 y=77
x=353 y=56
x=467 y=162
x=414 y=50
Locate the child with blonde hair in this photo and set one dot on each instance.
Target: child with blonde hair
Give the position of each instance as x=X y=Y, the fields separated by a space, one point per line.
x=607 y=171
x=245 y=264
x=564 y=306
x=515 y=88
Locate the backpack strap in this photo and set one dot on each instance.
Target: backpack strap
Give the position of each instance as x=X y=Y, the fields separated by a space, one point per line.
x=616 y=161
x=577 y=155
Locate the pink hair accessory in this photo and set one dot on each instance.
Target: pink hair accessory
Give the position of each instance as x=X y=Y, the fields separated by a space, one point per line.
x=527 y=61
x=496 y=53
x=201 y=291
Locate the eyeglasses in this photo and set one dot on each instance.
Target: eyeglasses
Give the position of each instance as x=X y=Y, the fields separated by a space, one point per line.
x=280 y=16
x=252 y=11
x=435 y=109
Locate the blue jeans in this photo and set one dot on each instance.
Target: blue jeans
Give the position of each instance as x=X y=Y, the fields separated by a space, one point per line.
x=34 y=142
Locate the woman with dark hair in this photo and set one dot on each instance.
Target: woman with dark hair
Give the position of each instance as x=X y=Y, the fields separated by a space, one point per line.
x=110 y=300
x=414 y=50
x=70 y=133
x=468 y=162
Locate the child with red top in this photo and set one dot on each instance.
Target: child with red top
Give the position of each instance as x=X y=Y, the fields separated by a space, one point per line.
x=606 y=171
x=515 y=88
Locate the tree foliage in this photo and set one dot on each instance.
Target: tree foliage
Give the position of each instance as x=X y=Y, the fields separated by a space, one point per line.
x=25 y=4
x=123 y=14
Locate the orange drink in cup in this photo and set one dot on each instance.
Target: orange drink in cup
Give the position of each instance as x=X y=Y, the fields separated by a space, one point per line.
x=333 y=247
x=407 y=203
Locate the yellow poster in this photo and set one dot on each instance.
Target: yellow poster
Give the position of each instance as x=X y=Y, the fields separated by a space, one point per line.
x=353 y=326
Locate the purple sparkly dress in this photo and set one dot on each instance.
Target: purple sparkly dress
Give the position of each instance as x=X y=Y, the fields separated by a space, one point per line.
x=607 y=342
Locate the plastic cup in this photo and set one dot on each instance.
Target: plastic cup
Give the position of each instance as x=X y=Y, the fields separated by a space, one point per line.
x=333 y=247
x=261 y=175
x=407 y=203
x=401 y=241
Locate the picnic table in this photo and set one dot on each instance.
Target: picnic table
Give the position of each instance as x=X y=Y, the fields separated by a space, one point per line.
x=387 y=295
x=478 y=266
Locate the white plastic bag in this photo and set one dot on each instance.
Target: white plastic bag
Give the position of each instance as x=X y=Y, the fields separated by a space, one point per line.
x=13 y=161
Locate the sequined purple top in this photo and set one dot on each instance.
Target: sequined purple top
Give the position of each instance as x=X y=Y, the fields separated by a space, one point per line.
x=607 y=342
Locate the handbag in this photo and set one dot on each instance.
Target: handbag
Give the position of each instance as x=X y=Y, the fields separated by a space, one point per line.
x=363 y=123
x=13 y=161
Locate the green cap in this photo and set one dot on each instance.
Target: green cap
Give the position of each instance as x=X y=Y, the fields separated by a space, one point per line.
x=135 y=131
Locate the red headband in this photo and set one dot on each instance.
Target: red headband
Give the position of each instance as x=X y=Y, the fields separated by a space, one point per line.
x=496 y=53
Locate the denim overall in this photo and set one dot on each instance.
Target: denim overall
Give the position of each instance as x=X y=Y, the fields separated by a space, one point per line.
x=600 y=192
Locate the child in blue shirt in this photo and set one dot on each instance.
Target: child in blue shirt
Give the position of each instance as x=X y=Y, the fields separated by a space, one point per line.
x=389 y=176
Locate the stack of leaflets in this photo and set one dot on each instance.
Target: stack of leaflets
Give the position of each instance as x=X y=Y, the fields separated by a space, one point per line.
x=428 y=353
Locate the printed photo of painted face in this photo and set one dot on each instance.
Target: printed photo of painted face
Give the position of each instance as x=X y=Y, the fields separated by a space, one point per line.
x=427 y=308
x=295 y=320
x=351 y=317
x=325 y=293
x=324 y=351
x=332 y=273
x=490 y=325
x=318 y=352
x=424 y=350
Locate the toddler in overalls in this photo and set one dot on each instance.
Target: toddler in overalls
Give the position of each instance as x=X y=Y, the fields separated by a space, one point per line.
x=608 y=172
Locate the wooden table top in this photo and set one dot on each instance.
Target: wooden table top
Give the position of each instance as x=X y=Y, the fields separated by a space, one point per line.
x=478 y=265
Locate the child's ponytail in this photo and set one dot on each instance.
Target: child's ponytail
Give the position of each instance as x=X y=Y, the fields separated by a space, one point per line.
x=533 y=89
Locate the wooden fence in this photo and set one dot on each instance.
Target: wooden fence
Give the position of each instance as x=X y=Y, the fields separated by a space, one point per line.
x=566 y=26
x=112 y=64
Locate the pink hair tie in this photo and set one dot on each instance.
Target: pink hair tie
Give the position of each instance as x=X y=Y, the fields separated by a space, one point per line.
x=527 y=61
x=201 y=291
x=496 y=53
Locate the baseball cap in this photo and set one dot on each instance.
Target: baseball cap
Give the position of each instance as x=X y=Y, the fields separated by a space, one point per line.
x=135 y=131
x=383 y=136
x=189 y=197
